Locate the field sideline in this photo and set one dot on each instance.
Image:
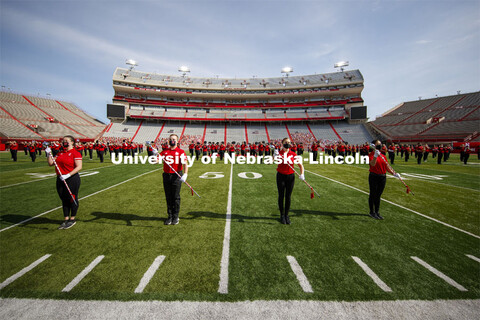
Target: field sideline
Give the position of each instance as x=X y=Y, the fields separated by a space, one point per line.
x=332 y=244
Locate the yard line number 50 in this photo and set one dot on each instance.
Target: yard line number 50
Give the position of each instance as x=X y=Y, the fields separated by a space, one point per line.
x=218 y=175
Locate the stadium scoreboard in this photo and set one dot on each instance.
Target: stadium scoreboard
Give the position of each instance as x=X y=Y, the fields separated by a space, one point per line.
x=115 y=111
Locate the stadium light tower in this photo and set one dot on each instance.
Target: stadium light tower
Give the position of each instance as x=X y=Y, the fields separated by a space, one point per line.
x=341 y=64
x=184 y=70
x=287 y=70
x=132 y=63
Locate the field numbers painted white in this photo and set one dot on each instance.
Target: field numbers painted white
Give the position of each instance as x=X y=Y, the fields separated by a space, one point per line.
x=212 y=175
x=251 y=175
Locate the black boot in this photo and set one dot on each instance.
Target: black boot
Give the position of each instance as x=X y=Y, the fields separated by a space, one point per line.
x=169 y=220
x=283 y=220
x=287 y=219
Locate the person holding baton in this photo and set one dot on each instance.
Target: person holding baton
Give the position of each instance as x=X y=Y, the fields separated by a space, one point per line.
x=173 y=177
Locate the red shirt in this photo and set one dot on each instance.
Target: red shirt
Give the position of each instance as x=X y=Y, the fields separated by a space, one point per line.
x=176 y=154
x=380 y=166
x=66 y=161
x=14 y=146
x=284 y=168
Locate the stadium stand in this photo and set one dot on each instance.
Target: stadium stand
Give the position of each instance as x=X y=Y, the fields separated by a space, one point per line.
x=352 y=133
x=253 y=110
x=438 y=119
x=27 y=117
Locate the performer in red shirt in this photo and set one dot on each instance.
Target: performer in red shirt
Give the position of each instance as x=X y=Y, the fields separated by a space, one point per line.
x=377 y=178
x=191 y=148
x=13 y=150
x=33 y=151
x=315 y=151
x=440 y=154
x=391 y=153
x=286 y=180
x=172 y=183
x=69 y=162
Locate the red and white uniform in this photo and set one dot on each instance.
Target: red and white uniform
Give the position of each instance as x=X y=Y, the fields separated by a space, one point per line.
x=380 y=166
x=284 y=168
x=177 y=154
x=66 y=161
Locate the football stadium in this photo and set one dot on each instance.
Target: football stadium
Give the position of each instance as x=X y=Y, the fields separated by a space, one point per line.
x=361 y=217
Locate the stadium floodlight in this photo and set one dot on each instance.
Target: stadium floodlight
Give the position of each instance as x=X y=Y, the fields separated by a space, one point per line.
x=341 y=64
x=287 y=70
x=184 y=70
x=132 y=63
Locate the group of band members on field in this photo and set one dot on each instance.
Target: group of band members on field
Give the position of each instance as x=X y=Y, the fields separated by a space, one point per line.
x=99 y=147
x=115 y=145
x=67 y=155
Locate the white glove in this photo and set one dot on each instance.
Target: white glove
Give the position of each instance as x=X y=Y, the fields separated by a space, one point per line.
x=64 y=177
x=184 y=178
x=377 y=153
x=302 y=177
x=48 y=151
x=276 y=153
x=155 y=151
x=397 y=175
x=372 y=145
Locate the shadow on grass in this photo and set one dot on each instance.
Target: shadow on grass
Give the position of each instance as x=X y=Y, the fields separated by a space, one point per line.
x=333 y=215
x=127 y=217
x=11 y=219
x=234 y=217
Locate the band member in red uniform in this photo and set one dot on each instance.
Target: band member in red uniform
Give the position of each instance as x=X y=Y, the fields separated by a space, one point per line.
x=172 y=183
x=377 y=179
x=407 y=152
x=440 y=154
x=426 y=151
x=466 y=153
x=101 y=150
x=286 y=181
x=13 y=150
x=33 y=151
x=69 y=162
x=419 y=153
x=391 y=153
x=315 y=151
x=198 y=148
x=242 y=148
x=191 y=148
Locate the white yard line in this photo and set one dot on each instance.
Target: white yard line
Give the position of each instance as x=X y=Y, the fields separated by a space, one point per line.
x=149 y=274
x=473 y=257
x=439 y=274
x=223 y=283
x=83 y=274
x=23 y=271
x=92 y=194
x=17 y=184
x=372 y=275
x=302 y=279
x=400 y=206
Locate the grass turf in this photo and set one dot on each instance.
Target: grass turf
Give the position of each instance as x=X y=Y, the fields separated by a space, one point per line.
x=125 y=223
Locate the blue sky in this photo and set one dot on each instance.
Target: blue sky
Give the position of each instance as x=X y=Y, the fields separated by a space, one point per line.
x=404 y=49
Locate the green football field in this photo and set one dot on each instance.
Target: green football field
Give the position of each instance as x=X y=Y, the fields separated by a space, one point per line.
x=427 y=248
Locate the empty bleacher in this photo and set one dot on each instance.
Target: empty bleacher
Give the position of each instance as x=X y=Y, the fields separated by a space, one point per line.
x=236 y=132
x=147 y=132
x=352 y=133
x=215 y=132
x=434 y=118
x=256 y=133
x=12 y=129
x=277 y=131
x=55 y=119
x=324 y=132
